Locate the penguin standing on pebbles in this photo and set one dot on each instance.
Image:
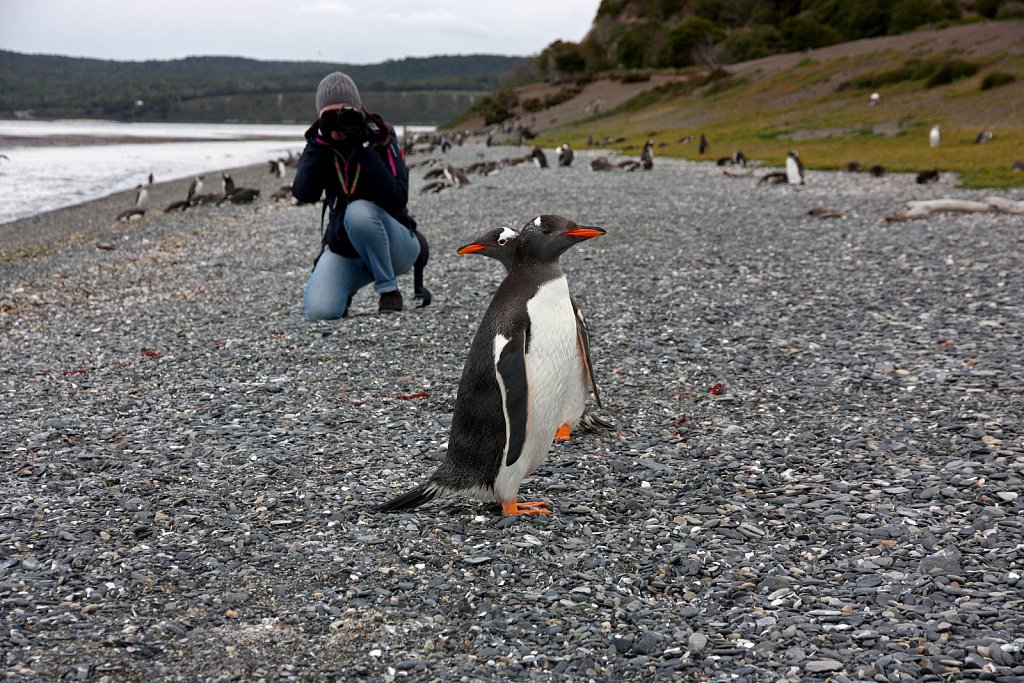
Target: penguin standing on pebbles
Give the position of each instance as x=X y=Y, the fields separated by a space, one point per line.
x=565 y=155
x=500 y=244
x=522 y=381
x=794 y=169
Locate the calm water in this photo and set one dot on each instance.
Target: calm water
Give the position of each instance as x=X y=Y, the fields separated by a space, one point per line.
x=35 y=179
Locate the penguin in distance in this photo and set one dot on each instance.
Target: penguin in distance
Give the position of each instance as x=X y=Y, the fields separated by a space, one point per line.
x=499 y=244
x=934 y=137
x=647 y=156
x=523 y=378
x=565 y=155
x=794 y=169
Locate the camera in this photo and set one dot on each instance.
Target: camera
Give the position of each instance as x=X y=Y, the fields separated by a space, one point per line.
x=348 y=121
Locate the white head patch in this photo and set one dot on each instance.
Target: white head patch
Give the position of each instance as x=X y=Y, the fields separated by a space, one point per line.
x=505 y=235
x=537 y=221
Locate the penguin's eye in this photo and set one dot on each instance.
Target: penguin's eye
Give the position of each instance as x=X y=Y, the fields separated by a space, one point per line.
x=502 y=242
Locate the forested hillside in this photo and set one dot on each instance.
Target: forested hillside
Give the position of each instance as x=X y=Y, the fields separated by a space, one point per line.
x=413 y=91
x=637 y=34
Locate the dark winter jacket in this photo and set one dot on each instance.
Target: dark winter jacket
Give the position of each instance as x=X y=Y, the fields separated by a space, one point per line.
x=375 y=172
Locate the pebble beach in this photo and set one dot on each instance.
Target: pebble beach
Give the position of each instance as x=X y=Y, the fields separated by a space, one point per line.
x=816 y=468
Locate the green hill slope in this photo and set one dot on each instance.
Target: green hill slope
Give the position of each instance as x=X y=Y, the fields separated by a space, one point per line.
x=964 y=79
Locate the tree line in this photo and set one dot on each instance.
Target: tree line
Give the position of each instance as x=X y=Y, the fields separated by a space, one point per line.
x=210 y=89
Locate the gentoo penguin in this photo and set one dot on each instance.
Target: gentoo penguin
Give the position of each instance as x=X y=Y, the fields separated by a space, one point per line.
x=647 y=156
x=928 y=177
x=523 y=378
x=704 y=146
x=877 y=171
x=539 y=157
x=456 y=176
x=233 y=194
x=873 y=99
x=499 y=244
x=141 y=195
x=794 y=169
x=983 y=136
x=853 y=167
x=435 y=187
x=739 y=158
x=194 y=186
x=137 y=210
x=934 y=137
x=565 y=155
x=775 y=178
x=601 y=164
x=150 y=178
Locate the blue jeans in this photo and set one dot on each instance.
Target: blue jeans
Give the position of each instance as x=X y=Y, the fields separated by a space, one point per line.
x=386 y=250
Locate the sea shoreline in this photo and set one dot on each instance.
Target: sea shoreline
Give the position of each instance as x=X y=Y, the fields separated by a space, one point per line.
x=94 y=219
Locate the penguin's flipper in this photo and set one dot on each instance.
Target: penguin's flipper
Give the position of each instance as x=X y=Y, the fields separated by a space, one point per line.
x=583 y=341
x=510 y=367
x=537 y=507
x=424 y=493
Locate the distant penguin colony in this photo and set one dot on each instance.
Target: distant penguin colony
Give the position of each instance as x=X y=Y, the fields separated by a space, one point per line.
x=524 y=378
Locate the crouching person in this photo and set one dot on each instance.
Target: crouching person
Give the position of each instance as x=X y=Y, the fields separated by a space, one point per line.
x=352 y=157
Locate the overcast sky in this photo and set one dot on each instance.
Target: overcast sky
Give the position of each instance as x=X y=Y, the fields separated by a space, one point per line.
x=344 y=31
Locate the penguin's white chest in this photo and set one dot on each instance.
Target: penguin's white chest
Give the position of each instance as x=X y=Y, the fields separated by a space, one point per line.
x=553 y=364
x=555 y=379
x=793 y=175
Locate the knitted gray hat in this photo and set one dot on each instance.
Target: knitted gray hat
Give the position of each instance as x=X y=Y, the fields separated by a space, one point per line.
x=337 y=88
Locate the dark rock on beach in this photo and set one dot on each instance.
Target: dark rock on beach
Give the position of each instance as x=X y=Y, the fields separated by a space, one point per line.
x=815 y=470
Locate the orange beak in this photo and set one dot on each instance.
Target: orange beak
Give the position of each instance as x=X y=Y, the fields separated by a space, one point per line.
x=585 y=232
x=470 y=248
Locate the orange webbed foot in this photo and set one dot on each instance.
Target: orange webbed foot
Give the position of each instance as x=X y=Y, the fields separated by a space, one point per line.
x=526 y=508
x=563 y=433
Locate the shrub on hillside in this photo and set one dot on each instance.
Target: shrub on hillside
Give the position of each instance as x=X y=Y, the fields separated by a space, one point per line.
x=906 y=15
x=938 y=70
x=950 y=71
x=752 y=42
x=994 y=79
x=683 y=40
x=804 y=33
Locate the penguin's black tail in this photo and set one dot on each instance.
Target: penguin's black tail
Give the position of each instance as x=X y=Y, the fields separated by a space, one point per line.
x=424 y=493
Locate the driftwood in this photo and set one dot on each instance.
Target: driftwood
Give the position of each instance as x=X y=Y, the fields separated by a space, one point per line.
x=925 y=208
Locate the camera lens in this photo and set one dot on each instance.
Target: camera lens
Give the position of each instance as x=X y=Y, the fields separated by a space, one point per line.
x=350 y=121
